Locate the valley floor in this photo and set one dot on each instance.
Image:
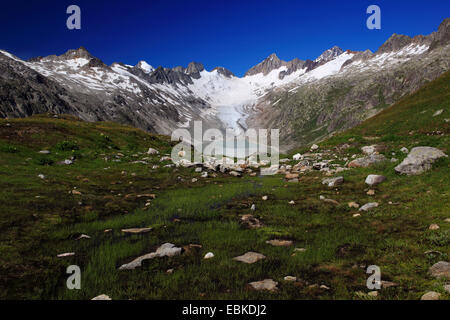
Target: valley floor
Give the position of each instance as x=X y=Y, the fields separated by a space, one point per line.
x=111 y=185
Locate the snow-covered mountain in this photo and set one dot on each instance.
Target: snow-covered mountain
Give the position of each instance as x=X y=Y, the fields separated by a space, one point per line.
x=273 y=93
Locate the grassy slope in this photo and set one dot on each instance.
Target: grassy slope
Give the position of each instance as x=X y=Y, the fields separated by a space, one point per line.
x=339 y=247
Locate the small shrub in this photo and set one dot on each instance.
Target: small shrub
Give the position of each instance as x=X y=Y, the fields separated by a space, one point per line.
x=8 y=149
x=45 y=161
x=67 y=146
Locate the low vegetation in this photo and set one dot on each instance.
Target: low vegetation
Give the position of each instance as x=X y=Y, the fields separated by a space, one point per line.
x=111 y=184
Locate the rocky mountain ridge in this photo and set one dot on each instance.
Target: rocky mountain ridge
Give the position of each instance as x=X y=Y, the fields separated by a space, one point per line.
x=335 y=91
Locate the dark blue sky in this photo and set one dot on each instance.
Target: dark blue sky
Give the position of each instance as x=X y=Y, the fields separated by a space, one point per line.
x=229 y=33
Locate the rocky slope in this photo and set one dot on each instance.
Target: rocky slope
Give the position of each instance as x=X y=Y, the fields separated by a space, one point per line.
x=315 y=106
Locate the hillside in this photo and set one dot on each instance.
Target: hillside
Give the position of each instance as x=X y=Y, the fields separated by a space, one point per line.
x=321 y=242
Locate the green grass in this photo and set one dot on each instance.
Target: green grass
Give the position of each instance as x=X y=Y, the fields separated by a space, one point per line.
x=41 y=218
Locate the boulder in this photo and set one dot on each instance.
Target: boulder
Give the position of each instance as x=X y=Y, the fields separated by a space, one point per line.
x=369 y=206
x=333 y=182
x=367 y=161
x=440 y=270
x=374 y=179
x=431 y=295
x=250 y=257
x=280 y=243
x=267 y=284
x=419 y=160
x=166 y=250
x=370 y=149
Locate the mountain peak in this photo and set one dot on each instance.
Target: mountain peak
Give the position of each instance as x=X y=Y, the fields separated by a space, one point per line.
x=81 y=52
x=194 y=69
x=272 y=62
x=329 y=54
x=395 y=43
x=144 y=66
x=225 y=72
x=442 y=36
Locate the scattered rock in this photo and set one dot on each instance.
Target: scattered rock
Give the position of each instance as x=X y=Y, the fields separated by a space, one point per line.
x=373 y=293
x=447 y=287
x=404 y=150
x=166 y=250
x=353 y=204
x=67 y=254
x=209 y=255
x=331 y=201
x=356 y=215
x=250 y=221
x=44 y=152
x=370 y=192
x=291 y=202
x=83 y=236
x=419 y=160
x=290 y=278
x=267 y=284
x=264 y=198
x=374 y=179
x=369 y=206
x=440 y=270
x=388 y=284
x=250 y=257
x=204 y=175
x=198 y=169
x=165 y=158
x=369 y=150
x=434 y=227
x=314 y=147
x=437 y=113
x=194 y=180
x=280 y=243
x=253 y=207
x=235 y=174
x=146 y=195
x=152 y=151
x=102 y=297
x=76 y=192
x=367 y=161
x=297 y=157
x=431 y=295
x=333 y=182
x=290 y=176
x=324 y=287
x=299 y=250
x=137 y=230
x=41 y=176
